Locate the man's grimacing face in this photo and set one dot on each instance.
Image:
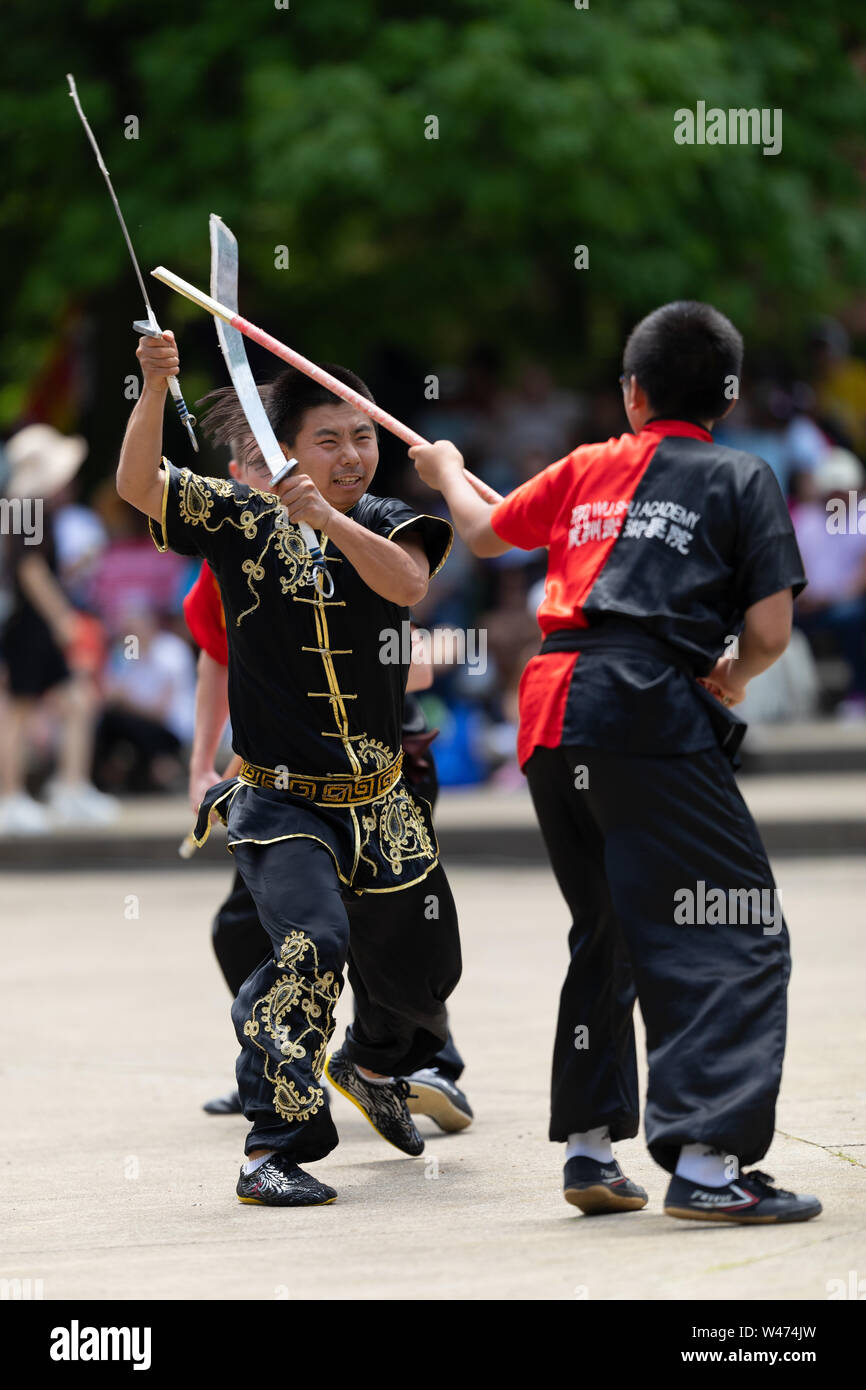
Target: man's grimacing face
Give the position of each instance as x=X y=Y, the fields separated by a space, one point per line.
x=336 y=446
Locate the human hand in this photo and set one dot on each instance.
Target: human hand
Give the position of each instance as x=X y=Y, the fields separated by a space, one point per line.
x=303 y=501
x=725 y=682
x=434 y=463
x=159 y=360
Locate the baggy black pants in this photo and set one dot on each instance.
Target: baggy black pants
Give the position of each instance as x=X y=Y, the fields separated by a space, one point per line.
x=630 y=839
x=241 y=945
x=403 y=951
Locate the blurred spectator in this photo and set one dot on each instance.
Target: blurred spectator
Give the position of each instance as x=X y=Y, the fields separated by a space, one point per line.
x=834 y=604
x=80 y=538
x=537 y=421
x=149 y=687
x=50 y=650
x=840 y=385
x=130 y=565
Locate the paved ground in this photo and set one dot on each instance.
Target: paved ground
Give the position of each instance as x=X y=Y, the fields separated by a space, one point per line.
x=115 y=1184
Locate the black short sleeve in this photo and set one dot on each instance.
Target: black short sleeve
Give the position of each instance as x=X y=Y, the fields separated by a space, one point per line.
x=768 y=557
x=388 y=517
x=195 y=510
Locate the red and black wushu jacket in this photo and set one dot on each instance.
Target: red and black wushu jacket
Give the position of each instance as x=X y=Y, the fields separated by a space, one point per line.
x=658 y=543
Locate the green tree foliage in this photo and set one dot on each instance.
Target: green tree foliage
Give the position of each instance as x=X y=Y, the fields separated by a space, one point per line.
x=305 y=127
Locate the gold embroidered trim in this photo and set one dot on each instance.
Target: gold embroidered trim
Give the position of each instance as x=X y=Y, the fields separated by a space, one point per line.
x=162 y=546
x=427 y=517
x=338 y=789
x=298 y=1014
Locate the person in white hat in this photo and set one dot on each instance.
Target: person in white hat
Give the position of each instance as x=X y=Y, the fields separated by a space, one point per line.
x=39 y=631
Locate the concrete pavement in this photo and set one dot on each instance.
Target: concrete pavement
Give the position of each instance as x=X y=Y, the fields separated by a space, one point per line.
x=116 y=1185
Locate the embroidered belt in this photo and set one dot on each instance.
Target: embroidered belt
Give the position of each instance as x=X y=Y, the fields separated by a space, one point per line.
x=341 y=789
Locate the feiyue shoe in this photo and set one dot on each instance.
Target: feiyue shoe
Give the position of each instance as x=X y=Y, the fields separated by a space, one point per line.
x=750 y=1200
x=598 y=1188
x=435 y=1096
x=229 y=1104
x=280 y=1183
x=383 y=1104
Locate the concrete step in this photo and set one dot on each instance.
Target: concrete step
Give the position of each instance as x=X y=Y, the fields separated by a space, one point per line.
x=798 y=814
x=817 y=746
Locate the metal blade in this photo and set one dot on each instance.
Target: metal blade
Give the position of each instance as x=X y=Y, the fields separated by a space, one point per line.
x=224 y=288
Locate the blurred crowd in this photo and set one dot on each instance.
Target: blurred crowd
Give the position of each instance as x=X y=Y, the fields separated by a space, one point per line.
x=97 y=670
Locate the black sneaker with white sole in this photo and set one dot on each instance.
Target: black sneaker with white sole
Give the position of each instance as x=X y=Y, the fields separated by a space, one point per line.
x=598 y=1188
x=749 y=1200
x=433 y=1095
x=383 y=1103
x=280 y=1183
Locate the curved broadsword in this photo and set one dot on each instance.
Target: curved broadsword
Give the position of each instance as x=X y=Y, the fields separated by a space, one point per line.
x=224 y=288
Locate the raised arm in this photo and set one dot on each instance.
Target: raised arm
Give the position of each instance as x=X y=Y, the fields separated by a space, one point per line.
x=440 y=466
x=140 y=480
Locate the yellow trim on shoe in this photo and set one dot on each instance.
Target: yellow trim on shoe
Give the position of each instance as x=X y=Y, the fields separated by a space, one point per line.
x=254 y=1202
x=358 y=1106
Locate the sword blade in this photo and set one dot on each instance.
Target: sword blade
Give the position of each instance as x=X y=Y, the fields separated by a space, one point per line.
x=224 y=288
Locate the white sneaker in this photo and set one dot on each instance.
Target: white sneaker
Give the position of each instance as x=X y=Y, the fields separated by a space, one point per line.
x=79 y=803
x=21 y=815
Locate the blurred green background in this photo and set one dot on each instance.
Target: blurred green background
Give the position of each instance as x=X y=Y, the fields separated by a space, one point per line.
x=305 y=127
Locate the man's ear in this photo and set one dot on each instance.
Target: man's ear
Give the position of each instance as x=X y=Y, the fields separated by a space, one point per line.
x=636 y=397
x=725 y=413
x=234 y=470
x=286 y=451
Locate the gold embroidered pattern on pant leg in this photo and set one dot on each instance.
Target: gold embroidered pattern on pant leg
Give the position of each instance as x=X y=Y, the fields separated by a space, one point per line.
x=312 y=994
x=399 y=830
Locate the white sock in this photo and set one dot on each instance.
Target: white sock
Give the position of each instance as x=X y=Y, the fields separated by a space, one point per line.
x=374 y=1080
x=592 y=1143
x=700 y=1163
x=253 y=1163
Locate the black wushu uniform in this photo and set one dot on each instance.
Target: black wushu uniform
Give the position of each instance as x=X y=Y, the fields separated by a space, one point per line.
x=320 y=812
x=659 y=542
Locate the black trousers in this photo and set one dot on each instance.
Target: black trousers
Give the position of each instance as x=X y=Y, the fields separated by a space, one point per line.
x=403 y=955
x=629 y=839
x=241 y=945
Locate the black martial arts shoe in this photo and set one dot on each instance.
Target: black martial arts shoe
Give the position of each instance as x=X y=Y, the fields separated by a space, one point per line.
x=280 y=1183
x=598 y=1188
x=751 y=1200
x=435 y=1096
x=229 y=1104
x=383 y=1104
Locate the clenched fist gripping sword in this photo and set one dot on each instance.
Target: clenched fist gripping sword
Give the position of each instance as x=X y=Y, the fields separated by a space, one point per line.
x=148 y=327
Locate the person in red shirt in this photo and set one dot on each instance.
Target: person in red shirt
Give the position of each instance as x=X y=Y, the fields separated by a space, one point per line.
x=240 y=942
x=671 y=575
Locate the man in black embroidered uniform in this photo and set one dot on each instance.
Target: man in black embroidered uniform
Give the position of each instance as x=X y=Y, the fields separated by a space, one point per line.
x=320 y=812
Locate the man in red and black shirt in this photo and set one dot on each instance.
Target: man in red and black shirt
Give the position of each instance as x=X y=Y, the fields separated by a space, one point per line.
x=671 y=576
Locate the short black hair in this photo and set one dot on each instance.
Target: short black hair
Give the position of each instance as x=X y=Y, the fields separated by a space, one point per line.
x=286 y=400
x=683 y=356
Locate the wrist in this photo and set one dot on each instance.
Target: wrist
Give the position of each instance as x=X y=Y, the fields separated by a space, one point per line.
x=154 y=390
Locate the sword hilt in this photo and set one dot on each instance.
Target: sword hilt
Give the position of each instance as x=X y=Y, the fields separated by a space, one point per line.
x=149 y=328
